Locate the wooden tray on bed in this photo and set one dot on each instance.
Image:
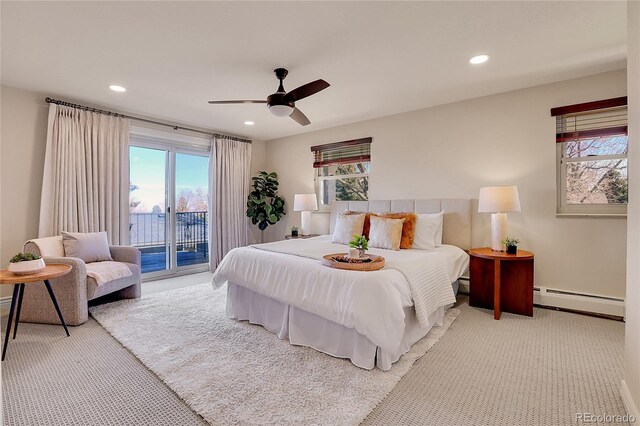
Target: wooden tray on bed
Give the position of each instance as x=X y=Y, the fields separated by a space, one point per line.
x=377 y=262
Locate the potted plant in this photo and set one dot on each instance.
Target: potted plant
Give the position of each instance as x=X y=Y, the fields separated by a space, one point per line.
x=511 y=244
x=294 y=231
x=26 y=263
x=264 y=206
x=358 y=245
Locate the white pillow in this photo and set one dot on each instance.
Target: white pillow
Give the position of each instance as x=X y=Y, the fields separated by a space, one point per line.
x=385 y=233
x=88 y=246
x=428 y=231
x=347 y=225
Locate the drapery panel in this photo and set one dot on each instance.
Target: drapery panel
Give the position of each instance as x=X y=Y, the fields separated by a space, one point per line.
x=85 y=186
x=229 y=180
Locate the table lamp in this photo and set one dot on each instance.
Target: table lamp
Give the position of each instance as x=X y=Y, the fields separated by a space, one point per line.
x=305 y=203
x=498 y=200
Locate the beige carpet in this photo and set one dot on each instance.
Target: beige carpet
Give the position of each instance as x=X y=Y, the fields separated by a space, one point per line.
x=233 y=372
x=89 y=379
x=516 y=371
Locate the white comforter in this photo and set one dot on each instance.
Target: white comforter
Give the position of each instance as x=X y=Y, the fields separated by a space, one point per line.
x=370 y=302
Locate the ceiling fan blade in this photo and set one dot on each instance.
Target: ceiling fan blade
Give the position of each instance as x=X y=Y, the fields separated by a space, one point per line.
x=306 y=90
x=299 y=117
x=237 y=102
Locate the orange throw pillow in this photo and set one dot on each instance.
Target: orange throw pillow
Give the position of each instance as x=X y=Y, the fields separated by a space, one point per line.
x=408 y=227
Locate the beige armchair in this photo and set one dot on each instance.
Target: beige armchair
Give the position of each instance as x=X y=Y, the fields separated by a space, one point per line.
x=75 y=290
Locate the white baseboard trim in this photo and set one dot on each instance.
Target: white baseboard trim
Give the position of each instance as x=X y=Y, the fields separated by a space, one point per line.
x=578 y=302
x=629 y=404
x=5 y=301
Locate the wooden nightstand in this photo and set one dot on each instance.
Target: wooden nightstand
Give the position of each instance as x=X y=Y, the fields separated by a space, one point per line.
x=303 y=237
x=501 y=281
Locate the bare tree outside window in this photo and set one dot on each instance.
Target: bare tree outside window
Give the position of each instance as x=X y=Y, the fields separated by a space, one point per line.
x=596 y=171
x=591 y=158
x=192 y=201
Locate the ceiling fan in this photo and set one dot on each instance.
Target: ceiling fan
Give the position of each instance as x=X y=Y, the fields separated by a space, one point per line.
x=282 y=103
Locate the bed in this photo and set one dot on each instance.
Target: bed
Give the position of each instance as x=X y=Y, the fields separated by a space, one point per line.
x=371 y=318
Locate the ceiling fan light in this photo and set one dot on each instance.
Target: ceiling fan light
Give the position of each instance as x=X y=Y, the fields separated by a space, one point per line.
x=479 y=59
x=281 y=110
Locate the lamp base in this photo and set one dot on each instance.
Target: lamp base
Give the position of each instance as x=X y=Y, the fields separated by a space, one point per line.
x=305 y=223
x=498 y=230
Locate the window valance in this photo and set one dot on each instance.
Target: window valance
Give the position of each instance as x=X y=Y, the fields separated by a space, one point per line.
x=590 y=120
x=351 y=151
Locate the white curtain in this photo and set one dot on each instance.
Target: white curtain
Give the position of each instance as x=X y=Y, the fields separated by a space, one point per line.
x=229 y=180
x=85 y=187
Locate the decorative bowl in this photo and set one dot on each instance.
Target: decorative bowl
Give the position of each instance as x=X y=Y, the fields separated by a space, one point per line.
x=27 y=267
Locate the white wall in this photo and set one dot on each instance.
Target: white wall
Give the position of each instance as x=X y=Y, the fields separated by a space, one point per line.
x=22 y=144
x=22 y=147
x=631 y=383
x=451 y=151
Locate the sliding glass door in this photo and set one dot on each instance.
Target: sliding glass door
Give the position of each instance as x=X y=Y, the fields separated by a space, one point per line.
x=168 y=206
x=148 y=207
x=191 y=207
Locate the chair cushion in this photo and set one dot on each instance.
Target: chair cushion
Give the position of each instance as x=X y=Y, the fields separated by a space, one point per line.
x=107 y=271
x=94 y=290
x=89 y=246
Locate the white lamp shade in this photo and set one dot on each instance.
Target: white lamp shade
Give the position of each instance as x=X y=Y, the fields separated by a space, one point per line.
x=305 y=202
x=495 y=199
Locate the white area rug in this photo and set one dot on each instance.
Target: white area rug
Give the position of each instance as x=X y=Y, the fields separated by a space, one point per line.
x=233 y=372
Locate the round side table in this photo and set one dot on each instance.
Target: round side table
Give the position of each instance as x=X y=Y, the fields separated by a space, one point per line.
x=491 y=270
x=50 y=271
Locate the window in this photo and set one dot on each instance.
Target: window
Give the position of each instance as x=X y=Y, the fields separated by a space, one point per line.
x=591 y=164
x=342 y=170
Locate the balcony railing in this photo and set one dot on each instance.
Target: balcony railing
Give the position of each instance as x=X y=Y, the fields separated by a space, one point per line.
x=148 y=232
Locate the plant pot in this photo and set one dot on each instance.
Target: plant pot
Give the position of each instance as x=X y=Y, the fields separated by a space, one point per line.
x=512 y=249
x=27 y=267
x=356 y=253
x=294 y=233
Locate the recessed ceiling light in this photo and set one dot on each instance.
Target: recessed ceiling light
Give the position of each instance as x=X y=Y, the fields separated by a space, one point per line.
x=117 y=88
x=249 y=123
x=479 y=59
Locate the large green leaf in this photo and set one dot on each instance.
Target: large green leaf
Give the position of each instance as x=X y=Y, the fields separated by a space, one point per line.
x=264 y=206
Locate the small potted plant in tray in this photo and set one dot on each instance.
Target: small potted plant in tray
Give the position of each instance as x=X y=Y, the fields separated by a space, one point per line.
x=511 y=244
x=358 y=245
x=294 y=231
x=26 y=263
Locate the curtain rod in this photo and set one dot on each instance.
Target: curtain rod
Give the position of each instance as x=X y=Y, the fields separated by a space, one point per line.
x=131 y=117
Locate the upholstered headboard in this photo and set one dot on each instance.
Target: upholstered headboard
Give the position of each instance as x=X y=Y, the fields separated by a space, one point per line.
x=457 y=214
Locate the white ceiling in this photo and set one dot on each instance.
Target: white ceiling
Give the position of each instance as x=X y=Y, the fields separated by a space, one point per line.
x=381 y=58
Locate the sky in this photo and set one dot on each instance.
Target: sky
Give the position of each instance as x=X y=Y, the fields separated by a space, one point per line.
x=147 y=170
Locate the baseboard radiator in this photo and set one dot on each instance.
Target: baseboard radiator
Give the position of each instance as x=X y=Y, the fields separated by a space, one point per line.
x=544 y=296
x=554 y=298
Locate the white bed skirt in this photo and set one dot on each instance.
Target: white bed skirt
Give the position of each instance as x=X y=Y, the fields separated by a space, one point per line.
x=305 y=329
